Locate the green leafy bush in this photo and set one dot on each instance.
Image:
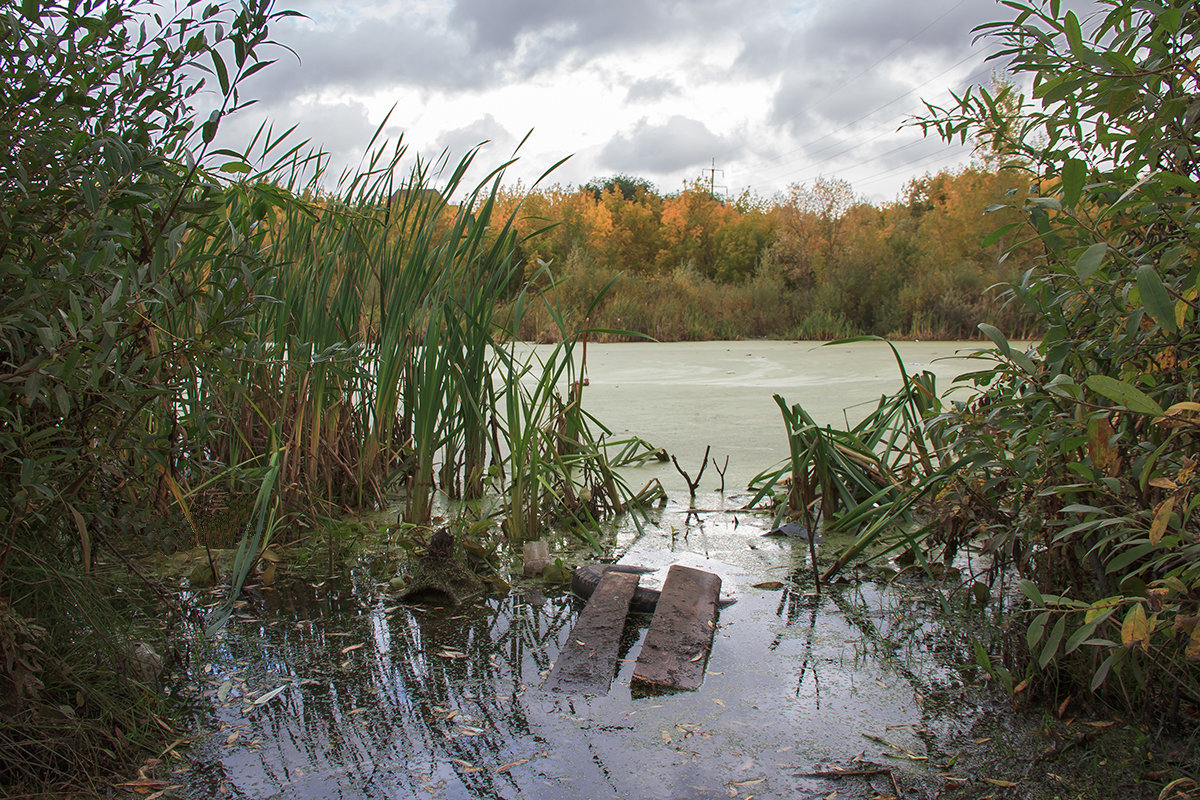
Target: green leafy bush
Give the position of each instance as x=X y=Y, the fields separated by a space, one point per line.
x=1073 y=463
x=114 y=284
x=1086 y=444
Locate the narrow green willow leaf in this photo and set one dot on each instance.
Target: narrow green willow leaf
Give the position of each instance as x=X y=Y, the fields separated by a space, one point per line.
x=1155 y=298
x=1091 y=260
x=1120 y=392
x=993 y=333
x=1036 y=630
x=1051 y=646
x=1030 y=590
x=1102 y=671
x=1073 y=173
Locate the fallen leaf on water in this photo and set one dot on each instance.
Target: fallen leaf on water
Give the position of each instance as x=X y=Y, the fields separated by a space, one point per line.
x=223 y=692
x=511 y=764
x=998 y=782
x=748 y=783
x=269 y=696
x=351 y=647
x=451 y=654
x=769 y=585
x=231 y=738
x=143 y=784
x=666 y=737
x=163 y=792
x=718 y=702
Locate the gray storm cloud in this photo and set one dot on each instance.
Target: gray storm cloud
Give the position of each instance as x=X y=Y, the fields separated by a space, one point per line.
x=677 y=144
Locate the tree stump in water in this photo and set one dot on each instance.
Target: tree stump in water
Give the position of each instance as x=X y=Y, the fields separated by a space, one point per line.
x=440 y=578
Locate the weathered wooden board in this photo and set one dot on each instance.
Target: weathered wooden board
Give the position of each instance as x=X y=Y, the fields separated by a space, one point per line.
x=676 y=649
x=588 y=660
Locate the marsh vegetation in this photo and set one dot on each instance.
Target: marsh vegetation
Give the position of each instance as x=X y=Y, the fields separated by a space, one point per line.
x=208 y=347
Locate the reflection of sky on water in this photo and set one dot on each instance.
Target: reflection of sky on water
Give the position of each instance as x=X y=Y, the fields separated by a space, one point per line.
x=399 y=702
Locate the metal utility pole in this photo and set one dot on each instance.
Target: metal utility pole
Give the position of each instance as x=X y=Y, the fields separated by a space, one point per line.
x=712 y=179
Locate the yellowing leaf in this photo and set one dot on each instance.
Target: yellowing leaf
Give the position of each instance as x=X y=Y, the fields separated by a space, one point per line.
x=1099 y=607
x=1103 y=454
x=1192 y=652
x=1185 y=471
x=998 y=782
x=1162 y=515
x=1134 y=630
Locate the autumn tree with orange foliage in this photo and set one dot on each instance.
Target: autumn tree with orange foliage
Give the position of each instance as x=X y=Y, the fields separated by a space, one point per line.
x=816 y=262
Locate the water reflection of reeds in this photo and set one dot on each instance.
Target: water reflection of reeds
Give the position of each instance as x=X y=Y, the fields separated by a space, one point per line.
x=390 y=701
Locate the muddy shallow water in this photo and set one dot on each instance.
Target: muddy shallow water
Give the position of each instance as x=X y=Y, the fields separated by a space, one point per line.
x=329 y=689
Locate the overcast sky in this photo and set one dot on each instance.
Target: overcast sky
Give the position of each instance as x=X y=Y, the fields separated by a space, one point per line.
x=773 y=92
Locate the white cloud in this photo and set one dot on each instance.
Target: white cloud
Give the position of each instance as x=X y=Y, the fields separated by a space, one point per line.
x=776 y=90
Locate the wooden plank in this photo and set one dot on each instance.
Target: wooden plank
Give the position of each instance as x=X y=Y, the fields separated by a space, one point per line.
x=587 y=662
x=676 y=649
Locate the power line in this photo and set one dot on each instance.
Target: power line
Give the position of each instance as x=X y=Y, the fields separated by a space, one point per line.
x=812 y=167
x=805 y=149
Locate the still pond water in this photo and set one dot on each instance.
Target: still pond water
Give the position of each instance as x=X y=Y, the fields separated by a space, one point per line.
x=331 y=690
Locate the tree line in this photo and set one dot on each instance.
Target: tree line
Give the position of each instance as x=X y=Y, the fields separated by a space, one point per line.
x=817 y=261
